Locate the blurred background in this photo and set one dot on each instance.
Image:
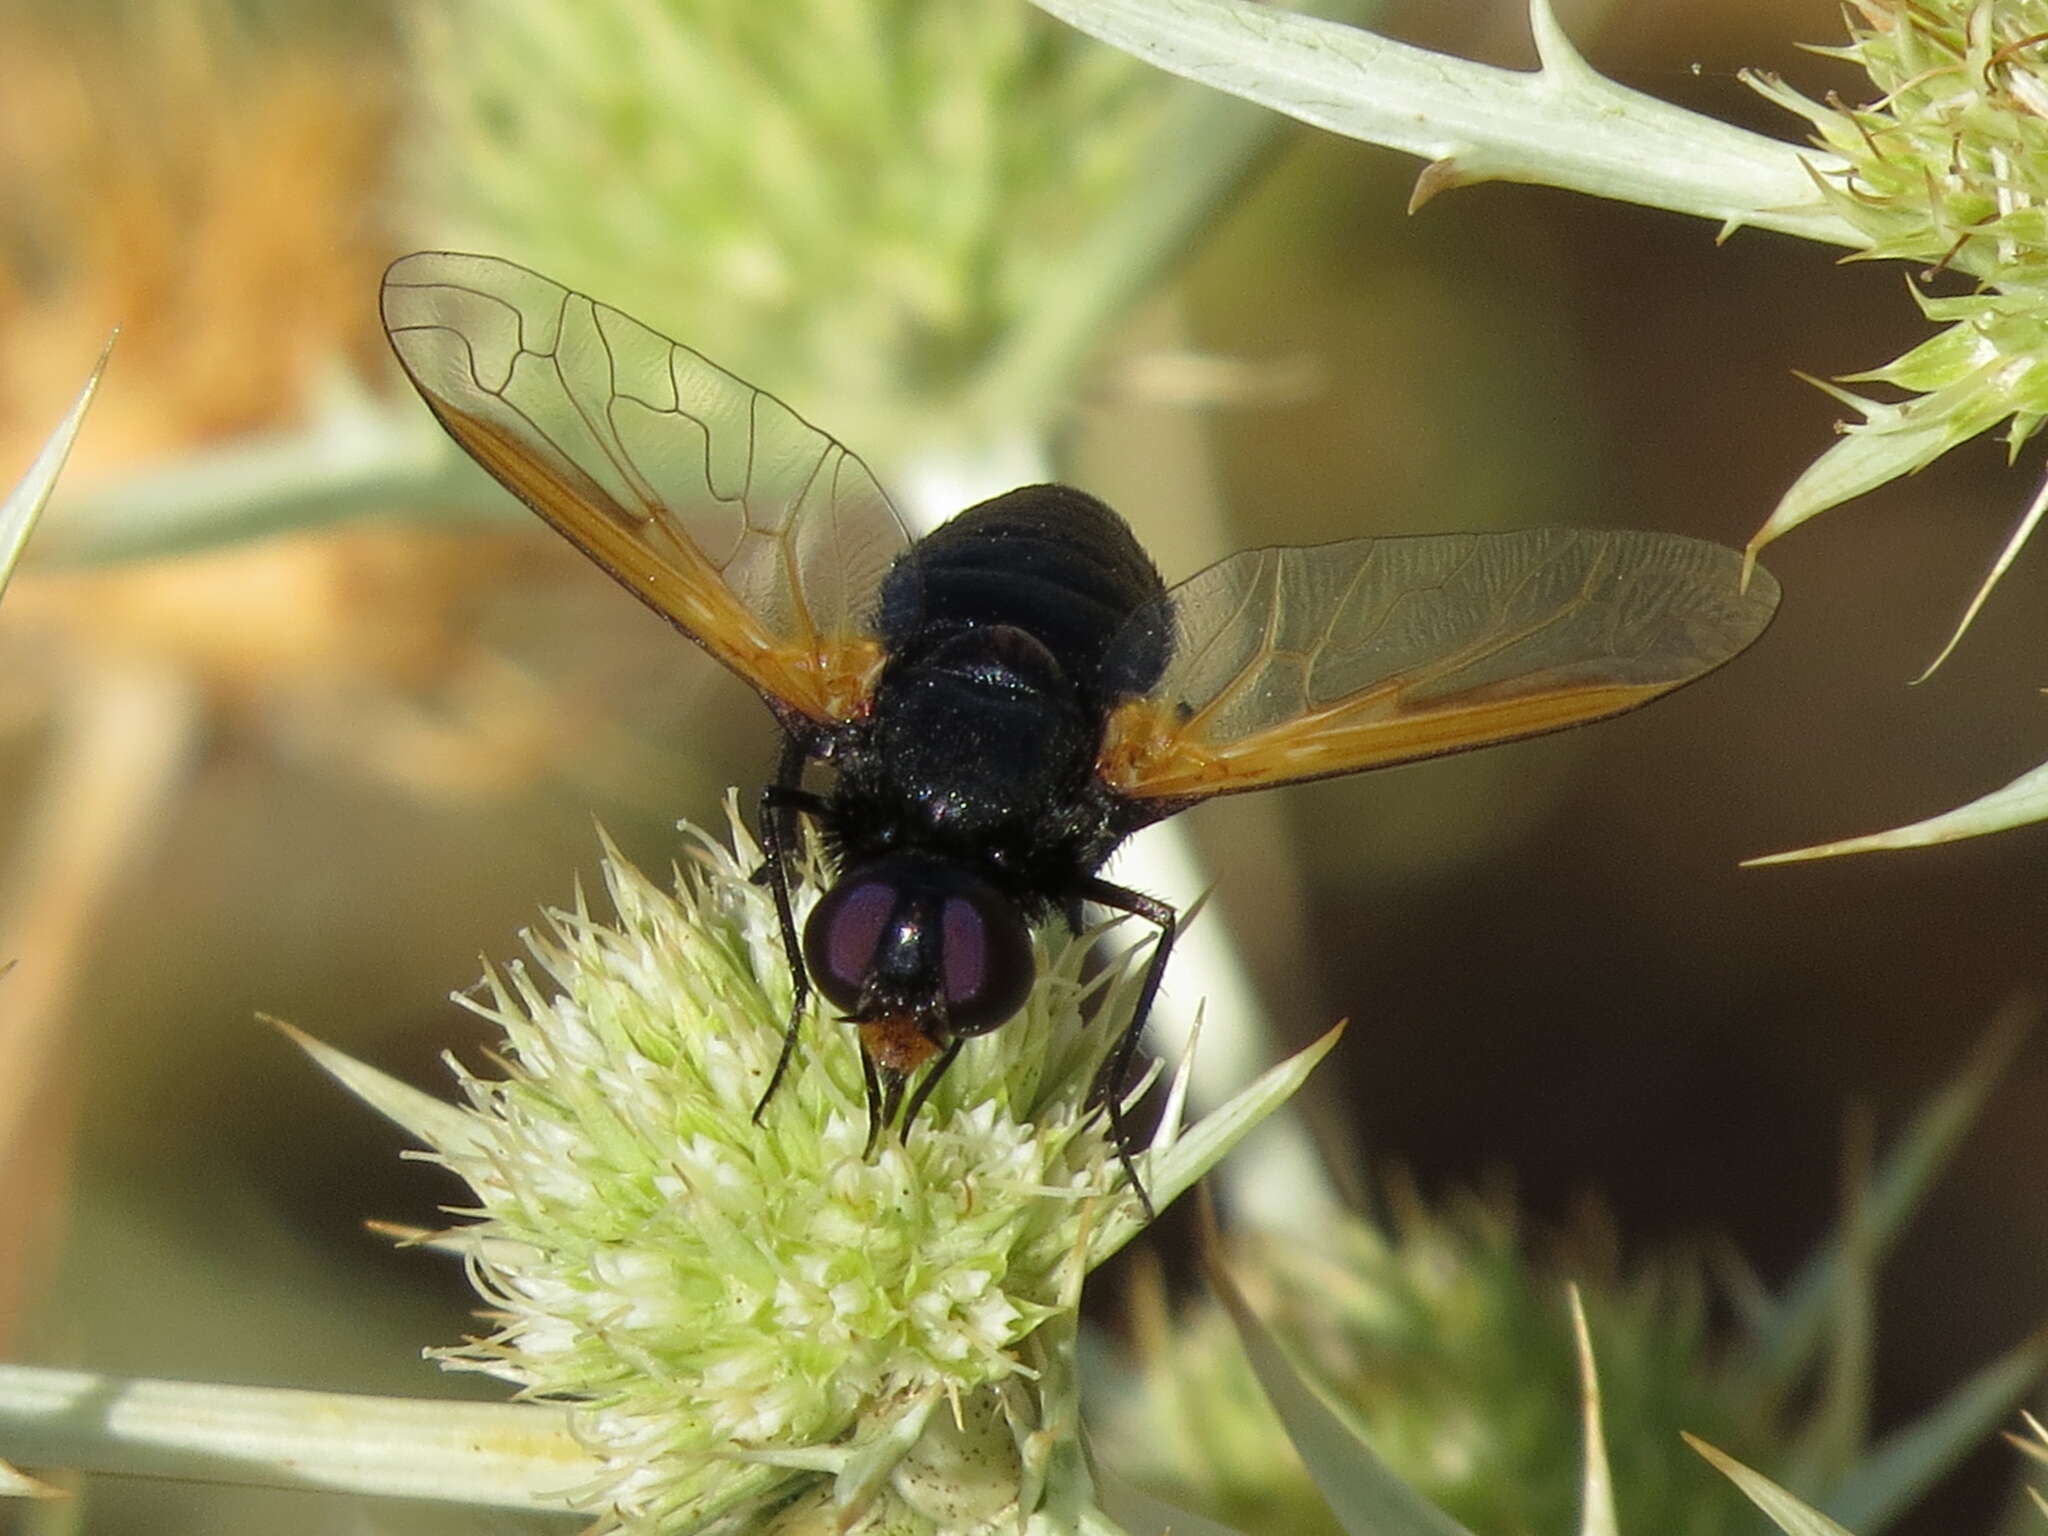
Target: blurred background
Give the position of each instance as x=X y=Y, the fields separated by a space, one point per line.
x=295 y=719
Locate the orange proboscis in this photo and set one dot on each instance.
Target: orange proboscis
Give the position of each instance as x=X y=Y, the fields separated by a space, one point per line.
x=896 y=1044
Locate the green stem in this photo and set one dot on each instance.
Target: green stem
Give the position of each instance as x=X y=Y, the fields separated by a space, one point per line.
x=356 y=457
x=494 y=1455
x=1562 y=125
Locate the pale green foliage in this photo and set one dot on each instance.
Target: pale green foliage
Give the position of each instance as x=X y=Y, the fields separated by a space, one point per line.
x=854 y=197
x=1442 y=1340
x=1792 y=1516
x=1562 y=125
x=23 y=505
x=1452 y=1349
x=1946 y=166
x=2024 y=800
x=1945 y=163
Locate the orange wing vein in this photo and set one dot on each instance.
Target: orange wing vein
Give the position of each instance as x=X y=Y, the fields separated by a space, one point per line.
x=1294 y=664
x=759 y=536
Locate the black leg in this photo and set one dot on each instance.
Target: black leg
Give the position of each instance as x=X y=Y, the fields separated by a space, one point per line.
x=784 y=794
x=1116 y=1066
x=871 y=1081
x=929 y=1082
x=782 y=801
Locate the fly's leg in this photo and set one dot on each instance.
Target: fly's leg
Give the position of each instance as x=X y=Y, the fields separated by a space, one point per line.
x=930 y=1081
x=782 y=798
x=877 y=1096
x=782 y=801
x=1116 y=1066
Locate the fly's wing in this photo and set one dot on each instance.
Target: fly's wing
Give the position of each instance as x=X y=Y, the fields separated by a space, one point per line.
x=1293 y=664
x=757 y=535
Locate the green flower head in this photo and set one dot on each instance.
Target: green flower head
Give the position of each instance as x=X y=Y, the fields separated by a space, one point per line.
x=862 y=197
x=1947 y=165
x=733 y=1308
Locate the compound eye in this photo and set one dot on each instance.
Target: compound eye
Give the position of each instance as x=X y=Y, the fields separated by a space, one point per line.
x=988 y=967
x=843 y=939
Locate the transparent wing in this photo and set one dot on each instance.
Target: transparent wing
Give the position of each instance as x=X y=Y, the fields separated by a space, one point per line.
x=756 y=534
x=1293 y=664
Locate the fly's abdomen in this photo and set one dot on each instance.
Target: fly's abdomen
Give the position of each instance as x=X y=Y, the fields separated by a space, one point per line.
x=1046 y=559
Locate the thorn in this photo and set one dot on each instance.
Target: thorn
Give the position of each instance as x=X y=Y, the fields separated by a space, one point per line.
x=1440 y=176
x=1561 y=62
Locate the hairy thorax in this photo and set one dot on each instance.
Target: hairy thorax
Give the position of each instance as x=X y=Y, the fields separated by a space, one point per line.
x=977 y=748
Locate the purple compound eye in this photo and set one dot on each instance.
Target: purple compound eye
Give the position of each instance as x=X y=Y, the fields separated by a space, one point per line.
x=843 y=939
x=921 y=937
x=986 y=951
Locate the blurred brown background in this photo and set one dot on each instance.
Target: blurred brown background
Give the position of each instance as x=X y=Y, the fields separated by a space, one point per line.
x=386 y=744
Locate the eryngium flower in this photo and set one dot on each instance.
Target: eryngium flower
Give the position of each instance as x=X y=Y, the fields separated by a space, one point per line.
x=744 y=1314
x=1946 y=165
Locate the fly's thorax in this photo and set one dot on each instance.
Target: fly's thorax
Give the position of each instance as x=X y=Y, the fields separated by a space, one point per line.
x=974 y=740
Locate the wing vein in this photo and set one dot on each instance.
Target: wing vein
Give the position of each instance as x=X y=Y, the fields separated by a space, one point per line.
x=621 y=460
x=1405 y=648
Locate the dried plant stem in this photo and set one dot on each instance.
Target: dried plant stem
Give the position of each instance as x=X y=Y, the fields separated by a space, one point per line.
x=120 y=748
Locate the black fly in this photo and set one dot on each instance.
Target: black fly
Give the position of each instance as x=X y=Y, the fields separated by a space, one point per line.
x=1008 y=699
